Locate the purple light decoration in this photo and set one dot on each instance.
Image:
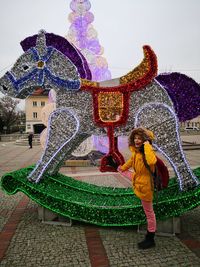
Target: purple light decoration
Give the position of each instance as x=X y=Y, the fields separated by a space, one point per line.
x=184 y=92
x=83 y=36
x=76 y=4
x=81 y=23
x=89 y=17
x=101 y=143
x=94 y=46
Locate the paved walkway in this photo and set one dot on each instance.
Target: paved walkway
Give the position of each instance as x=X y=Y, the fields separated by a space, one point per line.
x=25 y=241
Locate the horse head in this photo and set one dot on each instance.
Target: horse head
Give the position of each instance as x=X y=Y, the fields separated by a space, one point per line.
x=44 y=66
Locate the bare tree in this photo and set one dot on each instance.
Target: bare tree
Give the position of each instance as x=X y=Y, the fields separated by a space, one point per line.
x=9 y=115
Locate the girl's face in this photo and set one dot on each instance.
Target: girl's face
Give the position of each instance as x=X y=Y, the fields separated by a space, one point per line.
x=138 y=141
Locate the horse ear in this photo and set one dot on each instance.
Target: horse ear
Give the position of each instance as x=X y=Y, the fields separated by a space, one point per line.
x=41 y=42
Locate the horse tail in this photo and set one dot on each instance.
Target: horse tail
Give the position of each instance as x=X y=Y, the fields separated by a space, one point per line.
x=184 y=93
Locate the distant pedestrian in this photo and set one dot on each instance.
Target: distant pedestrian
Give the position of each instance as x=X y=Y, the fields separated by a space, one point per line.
x=30 y=139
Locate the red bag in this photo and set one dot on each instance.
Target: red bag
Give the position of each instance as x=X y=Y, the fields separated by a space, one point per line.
x=161 y=175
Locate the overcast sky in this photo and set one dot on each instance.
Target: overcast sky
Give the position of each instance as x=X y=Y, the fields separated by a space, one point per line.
x=170 y=27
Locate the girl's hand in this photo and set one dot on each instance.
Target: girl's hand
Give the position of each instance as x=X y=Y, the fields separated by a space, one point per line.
x=146 y=142
x=128 y=174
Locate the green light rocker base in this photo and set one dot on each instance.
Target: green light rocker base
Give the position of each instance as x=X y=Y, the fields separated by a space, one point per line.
x=104 y=206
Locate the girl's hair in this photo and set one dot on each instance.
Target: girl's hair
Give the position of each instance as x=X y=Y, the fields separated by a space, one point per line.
x=141 y=132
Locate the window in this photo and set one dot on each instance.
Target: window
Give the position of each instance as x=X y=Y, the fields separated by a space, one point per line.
x=28 y=126
x=42 y=103
x=34 y=115
x=34 y=103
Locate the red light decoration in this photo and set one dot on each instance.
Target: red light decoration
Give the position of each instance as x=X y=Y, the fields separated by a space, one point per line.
x=111 y=104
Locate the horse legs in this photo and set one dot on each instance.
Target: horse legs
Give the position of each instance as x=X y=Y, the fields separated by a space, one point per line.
x=62 y=139
x=161 y=119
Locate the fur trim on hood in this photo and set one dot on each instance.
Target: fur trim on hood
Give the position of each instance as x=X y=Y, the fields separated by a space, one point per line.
x=143 y=132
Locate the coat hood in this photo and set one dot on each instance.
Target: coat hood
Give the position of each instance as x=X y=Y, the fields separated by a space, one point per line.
x=143 y=132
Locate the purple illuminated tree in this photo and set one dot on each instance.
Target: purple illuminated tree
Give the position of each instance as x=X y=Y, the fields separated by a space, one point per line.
x=83 y=35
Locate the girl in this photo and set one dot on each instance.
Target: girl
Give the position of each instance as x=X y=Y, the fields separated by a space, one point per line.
x=140 y=145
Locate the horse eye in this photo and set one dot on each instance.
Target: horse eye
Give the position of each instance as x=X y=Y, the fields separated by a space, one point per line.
x=25 y=67
x=5 y=88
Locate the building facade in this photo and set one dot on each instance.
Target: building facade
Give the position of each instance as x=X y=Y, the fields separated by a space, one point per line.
x=33 y=106
x=194 y=123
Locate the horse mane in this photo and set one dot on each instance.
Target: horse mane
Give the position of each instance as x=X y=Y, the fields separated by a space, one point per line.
x=65 y=47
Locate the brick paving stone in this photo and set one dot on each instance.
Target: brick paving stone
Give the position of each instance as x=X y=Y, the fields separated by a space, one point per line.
x=7 y=205
x=46 y=245
x=9 y=228
x=97 y=254
x=169 y=251
x=190 y=230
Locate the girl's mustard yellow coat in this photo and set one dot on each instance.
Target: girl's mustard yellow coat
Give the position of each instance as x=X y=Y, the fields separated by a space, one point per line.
x=142 y=181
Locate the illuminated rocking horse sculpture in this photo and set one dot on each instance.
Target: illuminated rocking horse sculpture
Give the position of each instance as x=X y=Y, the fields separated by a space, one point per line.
x=51 y=62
